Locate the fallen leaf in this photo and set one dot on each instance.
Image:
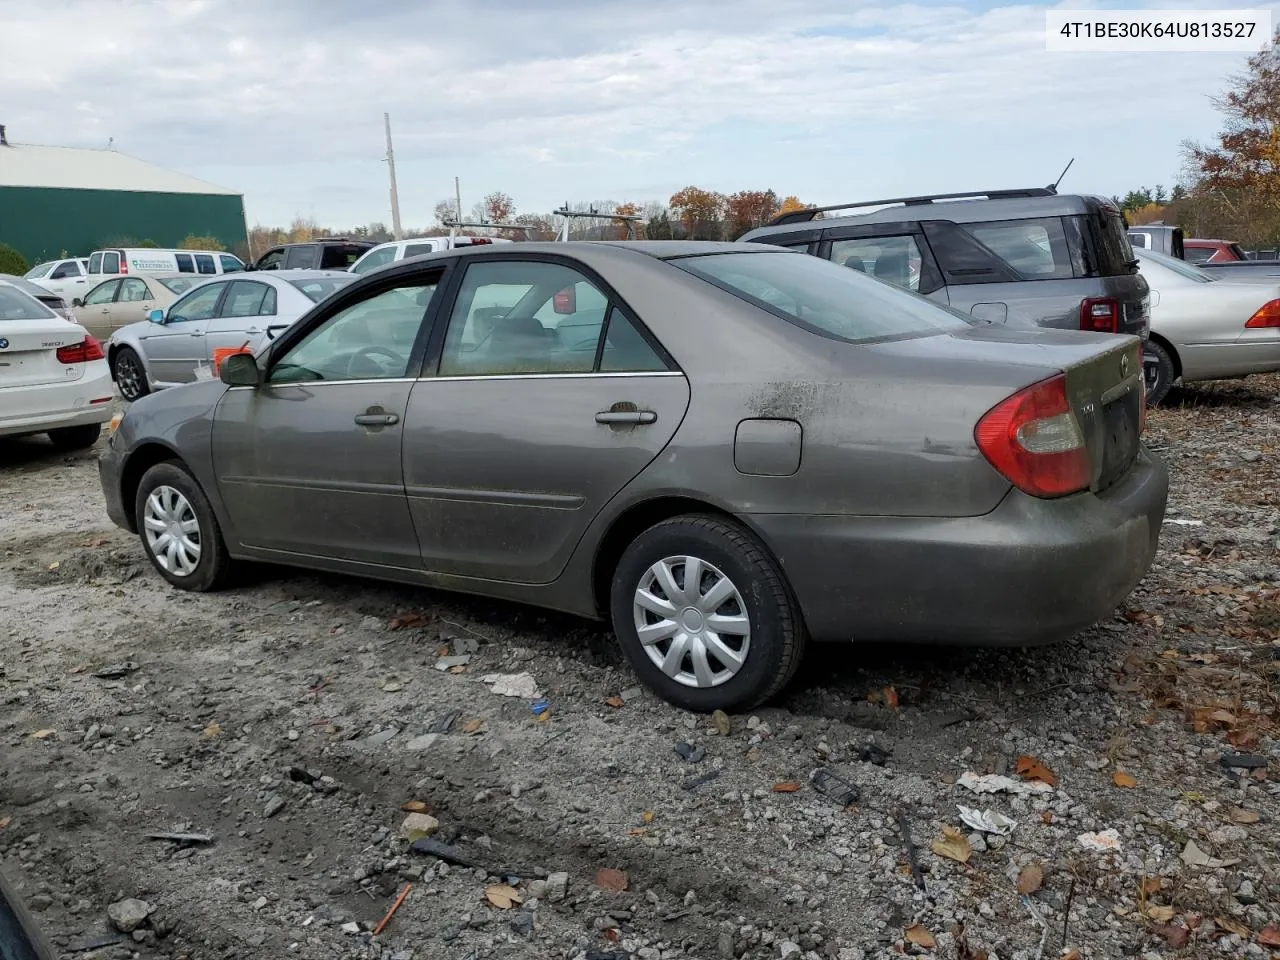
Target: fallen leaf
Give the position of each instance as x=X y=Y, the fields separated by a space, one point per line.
x=789 y=786
x=611 y=879
x=43 y=734
x=637 y=832
x=616 y=702
x=648 y=816
x=953 y=845
x=502 y=896
x=458 y=669
x=1175 y=935
x=1161 y=914
x=94 y=542
x=612 y=935
x=1030 y=879
x=1223 y=716
x=1193 y=856
x=1046 y=816
x=1269 y=936
x=1122 y=779
x=55 y=565
x=212 y=730
x=920 y=937
x=891 y=701
x=416 y=806
x=1073 y=955
x=406 y=620
x=5 y=821
x=472 y=726
x=1152 y=885
x=1233 y=926
x=1241 y=815
x=720 y=720
x=1029 y=768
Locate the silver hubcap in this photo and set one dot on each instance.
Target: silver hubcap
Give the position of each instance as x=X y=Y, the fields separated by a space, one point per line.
x=692 y=622
x=173 y=533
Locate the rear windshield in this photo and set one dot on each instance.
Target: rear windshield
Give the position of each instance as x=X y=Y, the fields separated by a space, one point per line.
x=180 y=284
x=1113 y=253
x=1180 y=267
x=822 y=297
x=16 y=305
x=320 y=288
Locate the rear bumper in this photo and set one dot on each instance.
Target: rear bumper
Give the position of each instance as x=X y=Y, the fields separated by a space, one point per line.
x=52 y=406
x=1031 y=571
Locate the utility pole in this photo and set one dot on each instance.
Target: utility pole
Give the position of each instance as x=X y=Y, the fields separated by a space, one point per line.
x=457 y=193
x=391 y=169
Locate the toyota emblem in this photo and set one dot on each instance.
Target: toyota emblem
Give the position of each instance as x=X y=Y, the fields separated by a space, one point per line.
x=1124 y=365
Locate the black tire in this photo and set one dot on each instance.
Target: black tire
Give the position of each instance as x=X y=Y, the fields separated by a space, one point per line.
x=212 y=569
x=76 y=438
x=1158 y=371
x=129 y=374
x=777 y=634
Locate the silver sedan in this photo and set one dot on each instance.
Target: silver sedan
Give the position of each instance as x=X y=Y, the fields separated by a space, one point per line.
x=223 y=315
x=1203 y=328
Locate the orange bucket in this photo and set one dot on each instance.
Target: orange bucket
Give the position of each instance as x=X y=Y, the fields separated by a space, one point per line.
x=221 y=353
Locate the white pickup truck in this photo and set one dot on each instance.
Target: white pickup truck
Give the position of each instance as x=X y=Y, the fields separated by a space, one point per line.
x=385 y=253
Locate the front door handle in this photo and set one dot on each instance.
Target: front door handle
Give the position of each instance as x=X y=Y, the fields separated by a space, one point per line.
x=626 y=416
x=377 y=419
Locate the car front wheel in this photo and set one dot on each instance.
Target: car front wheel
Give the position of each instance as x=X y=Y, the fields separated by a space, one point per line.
x=129 y=374
x=704 y=615
x=179 y=530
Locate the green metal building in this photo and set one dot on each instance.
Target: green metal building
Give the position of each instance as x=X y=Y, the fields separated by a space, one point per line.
x=67 y=201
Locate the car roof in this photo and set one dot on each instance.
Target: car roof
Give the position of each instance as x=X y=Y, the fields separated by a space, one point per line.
x=959 y=211
x=594 y=253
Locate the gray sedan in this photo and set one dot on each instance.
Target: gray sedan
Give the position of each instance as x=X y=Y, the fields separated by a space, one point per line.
x=186 y=340
x=726 y=449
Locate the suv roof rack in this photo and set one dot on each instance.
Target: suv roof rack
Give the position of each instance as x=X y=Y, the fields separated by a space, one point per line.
x=809 y=213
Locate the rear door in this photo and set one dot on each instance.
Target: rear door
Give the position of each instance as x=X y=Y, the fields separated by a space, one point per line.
x=175 y=348
x=548 y=398
x=134 y=301
x=305 y=256
x=243 y=317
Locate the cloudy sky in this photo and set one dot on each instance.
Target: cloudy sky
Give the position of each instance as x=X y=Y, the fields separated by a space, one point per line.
x=581 y=100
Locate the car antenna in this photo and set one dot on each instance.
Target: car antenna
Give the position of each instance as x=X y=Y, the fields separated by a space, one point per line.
x=1053 y=187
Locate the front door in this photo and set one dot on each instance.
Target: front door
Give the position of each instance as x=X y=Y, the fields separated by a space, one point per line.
x=309 y=463
x=549 y=399
x=175 y=348
x=67 y=280
x=246 y=311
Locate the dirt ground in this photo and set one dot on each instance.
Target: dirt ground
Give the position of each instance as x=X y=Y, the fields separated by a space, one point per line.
x=290 y=720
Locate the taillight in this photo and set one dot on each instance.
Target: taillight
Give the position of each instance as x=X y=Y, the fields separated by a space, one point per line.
x=82 y=352
x=475 y=240
x=1268 y=315
x=1100 y=315
x=1034 y=440
x=565 y=301
x=124 y=265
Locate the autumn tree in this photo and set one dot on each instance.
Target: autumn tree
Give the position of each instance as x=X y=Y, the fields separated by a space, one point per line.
x=624 y=228
x=748 y=209
x=790 y=205
x=1242 y=170
x=700 y=212
x=498 y=207
x=540 y=226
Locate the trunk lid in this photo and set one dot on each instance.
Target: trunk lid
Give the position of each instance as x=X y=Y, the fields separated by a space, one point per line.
x=29 y=352
x=1107 y=396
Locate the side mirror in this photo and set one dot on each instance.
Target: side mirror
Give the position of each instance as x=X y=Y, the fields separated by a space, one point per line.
x=155 y=316
x=77 y=302
x=239 y=370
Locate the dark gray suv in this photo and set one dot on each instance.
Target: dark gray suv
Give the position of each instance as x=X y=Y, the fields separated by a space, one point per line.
x=1024 y=257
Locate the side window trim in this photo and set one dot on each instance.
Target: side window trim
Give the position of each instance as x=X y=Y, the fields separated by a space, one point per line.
x=444 y=305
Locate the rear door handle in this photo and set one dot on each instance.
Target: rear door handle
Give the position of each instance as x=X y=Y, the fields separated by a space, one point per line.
x=626 y=416
x=377 y=419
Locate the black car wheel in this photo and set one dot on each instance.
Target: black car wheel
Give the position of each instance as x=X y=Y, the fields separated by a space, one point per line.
x=1158 y=371
x=129 y=374
x=76 y=438
x=704 y=615
x=179 y=530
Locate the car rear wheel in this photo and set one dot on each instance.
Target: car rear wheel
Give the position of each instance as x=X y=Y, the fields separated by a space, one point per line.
x=1158 y=371
x=704 y=615
x=129 y=374
x=76 y=438
x=179 y=530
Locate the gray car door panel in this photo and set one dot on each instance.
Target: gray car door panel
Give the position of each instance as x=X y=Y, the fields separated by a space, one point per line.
x=504 y=474
x=175 y=348
x=298 y=474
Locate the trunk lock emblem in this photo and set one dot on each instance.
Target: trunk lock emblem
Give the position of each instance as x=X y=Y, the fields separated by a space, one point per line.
x=1124 y=365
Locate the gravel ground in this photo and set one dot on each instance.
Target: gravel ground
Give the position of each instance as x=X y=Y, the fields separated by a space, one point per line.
x=290 y=721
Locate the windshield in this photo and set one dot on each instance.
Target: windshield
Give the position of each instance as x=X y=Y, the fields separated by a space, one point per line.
x=1180 y=267
x=823 y=297
x=16 y=305
x=39 y=270
x=320 y=288
x=180 y=284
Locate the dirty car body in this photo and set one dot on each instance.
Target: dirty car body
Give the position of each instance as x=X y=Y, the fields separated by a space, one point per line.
x=726 y=448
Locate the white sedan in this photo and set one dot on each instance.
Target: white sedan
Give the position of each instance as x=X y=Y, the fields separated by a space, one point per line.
x=53 y=375
x=1203 y=328
x=187 y=341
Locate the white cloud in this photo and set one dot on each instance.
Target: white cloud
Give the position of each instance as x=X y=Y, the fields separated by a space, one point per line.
x=557 y=85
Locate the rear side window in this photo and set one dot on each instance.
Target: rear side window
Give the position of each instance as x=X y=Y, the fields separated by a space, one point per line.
x=1034 y=249
x=895 y=260
x=822 y=297
x=418 y=249
x=1140 y=240
x=205 y=264
x=376 y=259
x=303 y=258
x=1197 y=254
x=185 y=263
